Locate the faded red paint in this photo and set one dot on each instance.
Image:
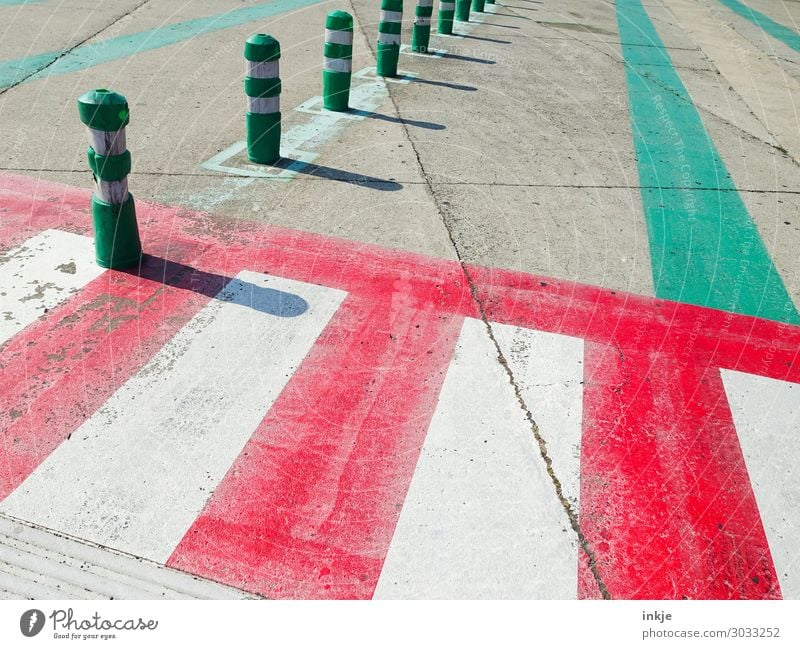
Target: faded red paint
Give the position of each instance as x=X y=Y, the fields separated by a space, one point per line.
x=309 y=508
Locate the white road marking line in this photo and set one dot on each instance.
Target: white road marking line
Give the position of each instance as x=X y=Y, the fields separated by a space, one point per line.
x=767 y=417
x=481 y=519
x=137 y=473
x=40 y=274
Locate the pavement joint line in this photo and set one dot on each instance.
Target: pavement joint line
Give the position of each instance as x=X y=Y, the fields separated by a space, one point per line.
x=61 y=55
x=443 y=183
x=566 y=505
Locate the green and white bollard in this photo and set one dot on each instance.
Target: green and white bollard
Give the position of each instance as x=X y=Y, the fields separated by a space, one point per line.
x=338 y=61
x=116 y=234
x=421 y=35
x=447 y=11
x=262 y=85
x=462 y=10
x=478 y=5
x=389 y=37
x=489 y=2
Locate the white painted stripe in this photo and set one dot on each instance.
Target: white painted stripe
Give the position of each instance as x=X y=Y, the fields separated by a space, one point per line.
x=264 y=105
x=112 y=191
x=391 y=16
x=388 y=39
x=424 y=3
x=481 y=518
x=263 y=69
x=447 y=6
x=107 y=142
x=137 y=473
x=338 y=37
x=422 y=21
x=338 y=65
x=767 y=417
x=40 y=274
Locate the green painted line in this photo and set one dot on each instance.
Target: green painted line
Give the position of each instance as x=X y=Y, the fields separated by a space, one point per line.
x=11 y=3
x=89 y=55
x=704 y=246
x=789 y=36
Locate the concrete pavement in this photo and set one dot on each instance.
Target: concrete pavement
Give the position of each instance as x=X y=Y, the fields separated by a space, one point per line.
x=609 y=153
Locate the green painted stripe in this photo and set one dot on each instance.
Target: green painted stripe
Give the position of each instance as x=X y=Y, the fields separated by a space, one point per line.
x=91 y=54
x=774 y=29
x=10 y=3
x=704 y=246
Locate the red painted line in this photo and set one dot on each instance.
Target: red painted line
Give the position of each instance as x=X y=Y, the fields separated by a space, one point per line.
x=62 y=368
x=665 y=498
x=310 y=507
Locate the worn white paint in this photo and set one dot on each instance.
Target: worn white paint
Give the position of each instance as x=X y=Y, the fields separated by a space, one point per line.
x=137 y=473
x=766 y=413
x=40 y=564
x=481 y=518
x=40 y=274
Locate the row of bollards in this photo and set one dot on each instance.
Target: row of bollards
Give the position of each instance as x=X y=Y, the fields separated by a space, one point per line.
x=105 y=113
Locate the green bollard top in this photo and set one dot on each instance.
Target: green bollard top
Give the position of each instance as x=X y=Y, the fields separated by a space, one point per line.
x=392 y=5
x=103 y=110
x=340 y=20
x=262 y=47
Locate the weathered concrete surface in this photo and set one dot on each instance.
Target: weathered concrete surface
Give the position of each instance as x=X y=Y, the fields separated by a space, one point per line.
x=514 y=151
x=534 y=99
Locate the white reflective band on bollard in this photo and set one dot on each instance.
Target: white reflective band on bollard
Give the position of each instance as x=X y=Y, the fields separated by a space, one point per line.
x=107 y=142
x=264 y=105
x=113 y=191
x=263 y=69
x=391 y=16
x=338 y=65
x=389 y=39
x=338 y=37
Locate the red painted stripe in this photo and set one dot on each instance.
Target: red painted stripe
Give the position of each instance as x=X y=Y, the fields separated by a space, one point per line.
x=310 y=507
x=665 y=498
x=657 y=418
x=61 y=369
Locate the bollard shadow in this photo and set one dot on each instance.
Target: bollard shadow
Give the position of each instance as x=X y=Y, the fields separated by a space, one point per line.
x=499 y=15
x=492 y=25
x=444 y=84
x=467 y=59
x=483 y=38
x=219 y=287
x=339 y=175
x=433 y=126
x=518 y=8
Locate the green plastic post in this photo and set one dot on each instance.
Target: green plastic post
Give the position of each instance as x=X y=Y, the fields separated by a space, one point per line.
x=462 y=10
x=447 y=11
x=262 y=85
x=421 y=34
x=116 y=233
x=389 y=37
x=478 y=5
x=338 y=61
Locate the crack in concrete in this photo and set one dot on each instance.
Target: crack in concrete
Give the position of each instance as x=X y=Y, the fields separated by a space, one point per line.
x=62 y=54
x=541 y=442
